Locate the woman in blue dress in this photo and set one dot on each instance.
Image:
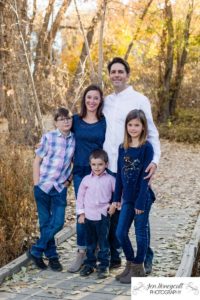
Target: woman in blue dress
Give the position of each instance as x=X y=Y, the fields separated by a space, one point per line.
x=89 y=127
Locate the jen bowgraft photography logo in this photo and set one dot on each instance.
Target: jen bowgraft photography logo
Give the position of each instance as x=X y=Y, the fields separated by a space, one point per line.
x=168 y=287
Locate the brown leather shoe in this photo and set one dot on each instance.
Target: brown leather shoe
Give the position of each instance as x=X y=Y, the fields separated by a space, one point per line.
x=136 y=270
x=125 y=271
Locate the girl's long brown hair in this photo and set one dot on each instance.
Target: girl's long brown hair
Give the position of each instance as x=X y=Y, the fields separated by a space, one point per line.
x=135 y=114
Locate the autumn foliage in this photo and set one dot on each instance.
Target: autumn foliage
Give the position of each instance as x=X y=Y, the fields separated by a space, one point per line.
x=51 y=50
x=17 y=213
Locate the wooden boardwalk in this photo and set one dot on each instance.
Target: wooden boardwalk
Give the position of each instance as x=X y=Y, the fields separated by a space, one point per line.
x=167 y=241
x=173 y=218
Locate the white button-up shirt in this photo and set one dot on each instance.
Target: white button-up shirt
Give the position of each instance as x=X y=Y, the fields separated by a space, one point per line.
x=116 y=108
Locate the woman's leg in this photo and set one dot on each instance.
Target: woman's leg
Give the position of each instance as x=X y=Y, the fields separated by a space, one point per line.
x=80 y=234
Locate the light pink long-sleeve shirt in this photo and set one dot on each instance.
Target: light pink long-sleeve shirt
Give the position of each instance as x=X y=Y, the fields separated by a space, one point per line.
x=94 y=195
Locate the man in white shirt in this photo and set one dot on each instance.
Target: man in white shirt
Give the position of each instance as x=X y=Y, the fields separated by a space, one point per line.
x=116 y=108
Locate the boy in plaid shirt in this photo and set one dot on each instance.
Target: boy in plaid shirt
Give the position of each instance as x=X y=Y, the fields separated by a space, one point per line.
x=51 y=172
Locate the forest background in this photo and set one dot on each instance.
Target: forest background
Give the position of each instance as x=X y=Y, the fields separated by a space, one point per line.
x=51 y=50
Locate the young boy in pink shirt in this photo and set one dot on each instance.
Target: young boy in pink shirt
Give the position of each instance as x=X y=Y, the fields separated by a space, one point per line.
x=93 y=202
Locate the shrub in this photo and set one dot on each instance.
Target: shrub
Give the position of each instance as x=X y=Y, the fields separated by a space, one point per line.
x=183 y=128
x=17 y=213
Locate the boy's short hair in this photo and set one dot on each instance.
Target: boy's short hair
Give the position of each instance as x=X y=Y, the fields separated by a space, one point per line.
x=62 y=112
x=119 y=60
x=99 y=154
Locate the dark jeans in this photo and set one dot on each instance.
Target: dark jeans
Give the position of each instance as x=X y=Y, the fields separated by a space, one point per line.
x=51 y=214
x=97 y=235
x=115 y=247
x=141 y=223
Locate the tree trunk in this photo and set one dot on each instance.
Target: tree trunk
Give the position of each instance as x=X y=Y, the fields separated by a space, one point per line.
x=42 y=63
x=100 y=64
x=181 y=60
x=17 y=89
x=166 y=58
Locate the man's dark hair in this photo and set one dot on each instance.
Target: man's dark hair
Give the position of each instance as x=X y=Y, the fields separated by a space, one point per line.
x=119 y=60
x=99 y=154
x=61 y=112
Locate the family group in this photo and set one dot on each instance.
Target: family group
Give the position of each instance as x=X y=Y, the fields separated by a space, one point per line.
x=113 y=146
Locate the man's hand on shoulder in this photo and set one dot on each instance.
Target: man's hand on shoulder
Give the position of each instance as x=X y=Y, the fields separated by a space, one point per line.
x=151 y=170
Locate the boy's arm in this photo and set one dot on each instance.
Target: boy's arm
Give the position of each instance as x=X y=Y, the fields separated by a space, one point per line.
x=36 y=169
x=80 y=207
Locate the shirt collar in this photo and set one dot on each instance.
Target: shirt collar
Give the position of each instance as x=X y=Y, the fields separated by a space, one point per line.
x=125 y=91
x=104 y=173
x=59 y=133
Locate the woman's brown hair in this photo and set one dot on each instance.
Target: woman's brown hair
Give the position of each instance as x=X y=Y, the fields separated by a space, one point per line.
x=135 y=114
x=83 y=111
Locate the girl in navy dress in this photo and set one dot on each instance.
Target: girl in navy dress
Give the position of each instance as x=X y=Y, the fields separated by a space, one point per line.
x=135 y=154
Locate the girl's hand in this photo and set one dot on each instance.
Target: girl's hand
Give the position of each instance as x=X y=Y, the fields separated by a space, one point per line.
x=138 y=211
x=81 y=219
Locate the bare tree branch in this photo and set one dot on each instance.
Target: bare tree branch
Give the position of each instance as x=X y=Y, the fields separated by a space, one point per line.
x=52 y=33
x=34 y=14
x=42 y=36
x=93 y=75
x=100 y=65
x=38 y=111
x=137 y=29
x=79 y=73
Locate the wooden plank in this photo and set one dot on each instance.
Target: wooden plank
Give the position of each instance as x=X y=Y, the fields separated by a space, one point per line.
x=65 y=233
x=190 y=253
x=187 y=261
x=196 y=232
x=15 y=266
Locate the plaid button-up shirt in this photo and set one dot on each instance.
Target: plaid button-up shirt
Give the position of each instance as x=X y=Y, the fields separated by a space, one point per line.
x=56 y=152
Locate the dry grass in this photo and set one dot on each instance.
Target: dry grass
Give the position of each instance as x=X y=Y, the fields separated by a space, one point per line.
x=17 y=213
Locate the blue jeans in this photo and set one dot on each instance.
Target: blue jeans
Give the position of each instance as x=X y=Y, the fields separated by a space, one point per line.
x=141 y=223
x=97 y=235
x=149 y=255
x=51 y=214
x=115 y=246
